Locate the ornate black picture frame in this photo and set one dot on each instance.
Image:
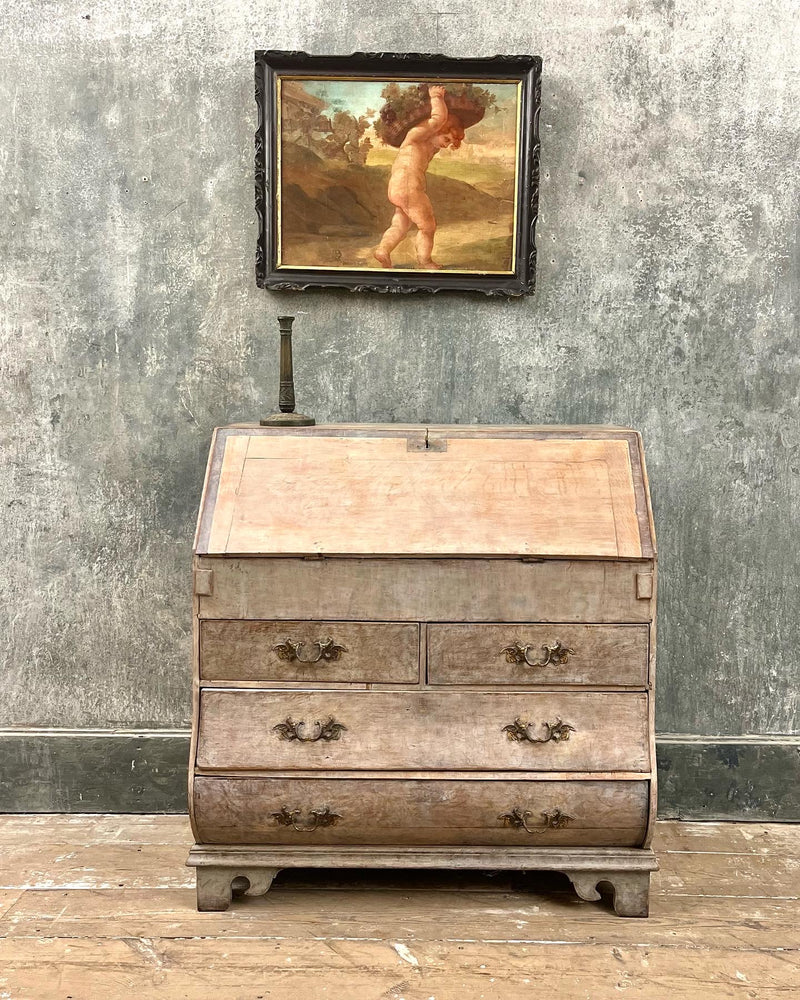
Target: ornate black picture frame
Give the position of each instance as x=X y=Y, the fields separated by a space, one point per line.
x=350 y=188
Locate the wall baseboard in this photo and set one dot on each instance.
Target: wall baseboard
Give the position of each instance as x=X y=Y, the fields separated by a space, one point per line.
x=729 y=778
x=93 y=770
x=750 y=778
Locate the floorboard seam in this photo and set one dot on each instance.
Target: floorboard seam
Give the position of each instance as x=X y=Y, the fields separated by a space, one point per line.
x=678 y=946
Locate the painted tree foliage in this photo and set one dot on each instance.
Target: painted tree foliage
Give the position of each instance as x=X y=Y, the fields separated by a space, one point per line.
x=407 y=106
x=324 y=126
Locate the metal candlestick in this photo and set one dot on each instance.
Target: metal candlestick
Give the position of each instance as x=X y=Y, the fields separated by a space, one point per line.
x=287 y=417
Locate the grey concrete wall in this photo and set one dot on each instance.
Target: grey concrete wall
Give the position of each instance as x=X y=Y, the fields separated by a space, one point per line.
x=130 y=323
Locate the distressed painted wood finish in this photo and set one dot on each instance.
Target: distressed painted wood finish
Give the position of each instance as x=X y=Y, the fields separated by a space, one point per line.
x=418 y=590
x=520 y=654
x=339 y=810
x=437 y=730
x=370 y=494
x=488 y=575
x=281 y=650
x=624 y=871
x=79 y=919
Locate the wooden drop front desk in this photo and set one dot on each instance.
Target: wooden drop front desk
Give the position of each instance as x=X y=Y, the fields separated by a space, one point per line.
x=424 y=647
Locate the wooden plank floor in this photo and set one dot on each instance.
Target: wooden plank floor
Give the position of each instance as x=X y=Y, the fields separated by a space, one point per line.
x=101 y=907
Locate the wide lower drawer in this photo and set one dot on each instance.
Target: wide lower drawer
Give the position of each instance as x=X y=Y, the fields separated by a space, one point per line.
x=430 y=730
x=419 y=812
x=309 y=651
x=605 y=655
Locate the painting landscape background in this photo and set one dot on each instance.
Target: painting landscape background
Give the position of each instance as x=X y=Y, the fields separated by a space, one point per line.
x=335 y=172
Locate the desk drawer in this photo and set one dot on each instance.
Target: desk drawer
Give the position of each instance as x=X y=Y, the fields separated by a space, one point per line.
x=416 y=590
x=431 y=730
x=335 y=810
x=311 y=652
x=603 y=655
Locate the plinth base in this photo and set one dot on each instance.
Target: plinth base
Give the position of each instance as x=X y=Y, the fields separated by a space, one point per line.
x=287 y=420
x=223 y=871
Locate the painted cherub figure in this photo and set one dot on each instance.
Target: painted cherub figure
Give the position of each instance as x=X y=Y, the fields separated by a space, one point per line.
x=407 y=183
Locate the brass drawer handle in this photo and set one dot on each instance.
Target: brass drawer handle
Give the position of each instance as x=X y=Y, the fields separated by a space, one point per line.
x=557 y=731
x=556 y=653
x=326 y=731
x=517 y=818
x=316 y=818
x=327 y=650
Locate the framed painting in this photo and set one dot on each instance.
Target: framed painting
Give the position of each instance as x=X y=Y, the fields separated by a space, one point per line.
x=397 y=172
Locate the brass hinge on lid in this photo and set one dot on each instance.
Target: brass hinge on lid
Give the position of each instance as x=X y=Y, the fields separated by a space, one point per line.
x=204 y=582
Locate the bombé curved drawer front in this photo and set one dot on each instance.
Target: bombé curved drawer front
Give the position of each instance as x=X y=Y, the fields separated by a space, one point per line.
x=329 y=811
x=431 y=730
x=607 y=655
x=311 y=652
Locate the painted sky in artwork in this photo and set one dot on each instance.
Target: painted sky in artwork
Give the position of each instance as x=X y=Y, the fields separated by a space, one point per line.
x=359 y=97
x=356 y=96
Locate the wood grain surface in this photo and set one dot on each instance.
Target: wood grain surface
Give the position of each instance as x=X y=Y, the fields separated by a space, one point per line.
x=365 y=495
x=610 y=655
x=450 y=590
x=246 y=811
x=245 y=650
x=442 y=730
x=555 y=531
x=103 y=907
x=224 y=496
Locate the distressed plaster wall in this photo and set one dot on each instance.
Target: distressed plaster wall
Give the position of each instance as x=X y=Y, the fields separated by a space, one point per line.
x=130 y=324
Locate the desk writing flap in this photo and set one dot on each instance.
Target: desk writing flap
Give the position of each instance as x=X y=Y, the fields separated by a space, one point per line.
x=388 y=491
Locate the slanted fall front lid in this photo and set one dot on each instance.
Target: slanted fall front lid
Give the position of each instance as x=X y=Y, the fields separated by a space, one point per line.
x=415 y=491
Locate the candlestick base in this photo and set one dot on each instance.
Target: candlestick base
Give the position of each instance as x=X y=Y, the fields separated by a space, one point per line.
x=288 y=420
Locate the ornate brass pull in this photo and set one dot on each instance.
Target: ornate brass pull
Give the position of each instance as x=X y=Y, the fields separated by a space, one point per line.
x=556 y=653
x=557 y=731
x=327 y=649
x=555 y=820
x=326 y=731
x=316 y=818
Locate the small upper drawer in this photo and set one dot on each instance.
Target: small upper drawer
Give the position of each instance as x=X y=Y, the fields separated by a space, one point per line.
x=608 y=655
x=309 y=651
